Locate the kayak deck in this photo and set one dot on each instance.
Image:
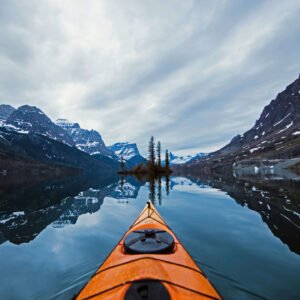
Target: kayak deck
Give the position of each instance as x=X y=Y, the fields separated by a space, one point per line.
x=176 y=271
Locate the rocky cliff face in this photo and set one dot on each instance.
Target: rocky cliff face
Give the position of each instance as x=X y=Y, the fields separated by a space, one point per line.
x=89 y=141
x=33 y=147
x=129 y=152
x=279 y=122
x=125 y=150
x=275 y=135
x=30 y=119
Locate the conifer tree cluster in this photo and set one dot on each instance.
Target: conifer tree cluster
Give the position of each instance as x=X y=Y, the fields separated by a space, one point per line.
x=154 y=165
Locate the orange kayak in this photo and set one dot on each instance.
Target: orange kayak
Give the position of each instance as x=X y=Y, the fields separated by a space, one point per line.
x=149 y=263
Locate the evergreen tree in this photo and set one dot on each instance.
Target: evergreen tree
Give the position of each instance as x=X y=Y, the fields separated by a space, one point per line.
x=159 y=190
x=167 y=160
x=151 y=152
x=158 y=149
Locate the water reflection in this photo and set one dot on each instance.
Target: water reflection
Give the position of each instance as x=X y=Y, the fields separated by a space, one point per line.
x=277 y=202
x=154 y=185
x=83 y=218
x=27 y=210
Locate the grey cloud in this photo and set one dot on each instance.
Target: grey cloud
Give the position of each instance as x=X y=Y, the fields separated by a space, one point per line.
x=183 y=71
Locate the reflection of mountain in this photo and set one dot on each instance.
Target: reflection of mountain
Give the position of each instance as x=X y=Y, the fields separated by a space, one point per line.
x=27 y=210
x=88 y=201
x=276 y=201
x=23 y=226
x=127 y=189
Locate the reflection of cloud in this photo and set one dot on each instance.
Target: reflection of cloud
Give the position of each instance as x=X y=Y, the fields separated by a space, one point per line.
x=183 y=184
x=56 y=248
x=184 y=75
x=88 y=220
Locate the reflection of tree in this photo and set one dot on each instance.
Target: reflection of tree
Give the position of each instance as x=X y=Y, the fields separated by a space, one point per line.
x=154 y=182
x=122 y=165
x=167 y=185
x=121 y=183
x=152 y=190
x=159 y=190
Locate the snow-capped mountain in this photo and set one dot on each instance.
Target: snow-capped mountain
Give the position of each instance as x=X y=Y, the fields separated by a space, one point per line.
x=32 y=145
x=30 y=119
x=21 y=149
x=177 y=160
x=275 y=135
x=89 y=141
x=129 y=152
x=5 y=111
x=125 y=150
x=277 y=127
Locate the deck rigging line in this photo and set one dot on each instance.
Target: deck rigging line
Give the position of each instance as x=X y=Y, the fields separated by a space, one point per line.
x=152 y=258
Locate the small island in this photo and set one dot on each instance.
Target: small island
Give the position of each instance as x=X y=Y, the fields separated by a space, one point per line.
x=153 y=167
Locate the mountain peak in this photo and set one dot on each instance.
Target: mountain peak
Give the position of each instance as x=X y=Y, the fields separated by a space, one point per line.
x=30 y=109
x=125 y=149
x=65 y=123
x=5 y=111
x=28 y=118
x=89 y=141
x=129 y=152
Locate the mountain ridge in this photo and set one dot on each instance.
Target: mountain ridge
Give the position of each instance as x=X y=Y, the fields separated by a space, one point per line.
x=274 y=135
x=31 y=119
x=178 y=160
x=32 y=146
x=89 y=141
x=5 y=111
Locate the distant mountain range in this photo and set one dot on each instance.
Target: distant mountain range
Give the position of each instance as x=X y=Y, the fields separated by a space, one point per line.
x=178 y=160
x=32 y=146
x=30 y=140
x=275 y=135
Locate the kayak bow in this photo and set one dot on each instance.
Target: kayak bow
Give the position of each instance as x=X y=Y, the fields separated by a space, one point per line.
x=150 y=263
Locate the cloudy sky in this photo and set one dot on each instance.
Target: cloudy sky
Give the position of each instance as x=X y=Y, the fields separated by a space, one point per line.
x=191 y=73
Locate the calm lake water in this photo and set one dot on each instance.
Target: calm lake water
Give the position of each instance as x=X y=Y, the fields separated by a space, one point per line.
x=244 y=234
